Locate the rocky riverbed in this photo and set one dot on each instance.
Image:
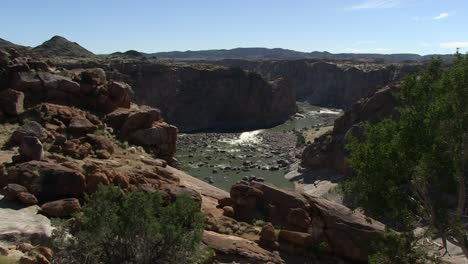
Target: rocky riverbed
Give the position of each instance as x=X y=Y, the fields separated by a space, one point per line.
x=223 y=159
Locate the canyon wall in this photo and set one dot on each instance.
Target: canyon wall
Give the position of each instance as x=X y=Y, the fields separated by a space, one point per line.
x=336 y=84
x=200 y=97
x=328 y=151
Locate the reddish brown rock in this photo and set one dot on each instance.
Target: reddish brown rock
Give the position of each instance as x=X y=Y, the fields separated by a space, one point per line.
x=58 y=82
x=94 y=179
x=93 y=76
x=32 y=129
x=46 y=252
x=103 y=154
x=228 y=211
x=27 y=260
x=81 y=126
x=348 y=232
x=27 y=198
x=297 y=238
x=100 y=143
x=239 y=249
x=11 y=102
x=299 y=217
x=27 y=82
x=12 y=190
x=140 y=119
x=61 y=208
x=225 y=201
x=40 y=259
x=47 y=180
x=268 y=235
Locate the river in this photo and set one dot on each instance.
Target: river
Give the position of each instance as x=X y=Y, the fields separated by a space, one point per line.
x=223 y=159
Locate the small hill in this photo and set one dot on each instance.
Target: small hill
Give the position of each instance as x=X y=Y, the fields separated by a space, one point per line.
x=60 y=46
x=7 y=44
x=128 y=53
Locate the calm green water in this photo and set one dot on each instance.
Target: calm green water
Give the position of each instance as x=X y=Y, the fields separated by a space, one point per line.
x=226 y=158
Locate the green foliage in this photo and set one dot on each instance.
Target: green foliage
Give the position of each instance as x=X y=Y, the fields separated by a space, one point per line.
x=409 y=168
x=134 y=228
x=399 y=248
x=300 y=139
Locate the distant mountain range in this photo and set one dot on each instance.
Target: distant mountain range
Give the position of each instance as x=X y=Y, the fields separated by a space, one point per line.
x=264 y=53
x=60 y=46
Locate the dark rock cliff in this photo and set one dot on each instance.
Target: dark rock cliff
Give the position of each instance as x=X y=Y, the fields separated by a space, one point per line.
x=328 y=151
x=337 y=84
x=198 y=97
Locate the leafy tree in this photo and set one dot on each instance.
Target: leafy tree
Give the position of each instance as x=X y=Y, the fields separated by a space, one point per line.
x=137 y=227
x=411 y=169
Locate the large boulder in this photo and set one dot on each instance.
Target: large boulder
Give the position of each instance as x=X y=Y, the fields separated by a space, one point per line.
x=239 y=249
x=58 y=82
x=348 y=232
x=143 y=126
x=31 y=129
x=27 y=82
x=61 y=208
x=48 y=180
x=306 y=222
x=12 y=190
x=31 y=148
x=93 y=76
x=128 y=121
x=11 y=102
x=80 y=126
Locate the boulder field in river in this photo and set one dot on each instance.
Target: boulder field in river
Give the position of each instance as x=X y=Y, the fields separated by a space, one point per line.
x=336 y=84
x=201 y=97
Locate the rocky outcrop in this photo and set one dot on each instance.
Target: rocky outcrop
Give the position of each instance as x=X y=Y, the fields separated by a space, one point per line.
x=328 y=151
x=307 y=224
x=196 y=97
x=48 y=180
x=336 y=84
x=143 y=126
x=11 y=102
x=54 y=98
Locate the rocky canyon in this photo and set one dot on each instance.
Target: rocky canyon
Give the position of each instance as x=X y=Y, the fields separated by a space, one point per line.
x=223 y=132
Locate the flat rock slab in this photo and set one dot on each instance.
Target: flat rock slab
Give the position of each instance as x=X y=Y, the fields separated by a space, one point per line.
x=22 y=223
x=232 y=248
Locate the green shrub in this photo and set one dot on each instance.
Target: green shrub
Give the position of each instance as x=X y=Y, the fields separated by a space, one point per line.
x=399 y=248
x=132 y=228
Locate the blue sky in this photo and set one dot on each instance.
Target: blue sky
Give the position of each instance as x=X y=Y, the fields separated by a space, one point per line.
x=377 y=26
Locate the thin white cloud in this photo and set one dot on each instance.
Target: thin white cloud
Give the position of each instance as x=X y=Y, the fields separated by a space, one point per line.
x=454 y=44
x=368 y=50
x=441 y=16
x=376 y=4
x=438 y=17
